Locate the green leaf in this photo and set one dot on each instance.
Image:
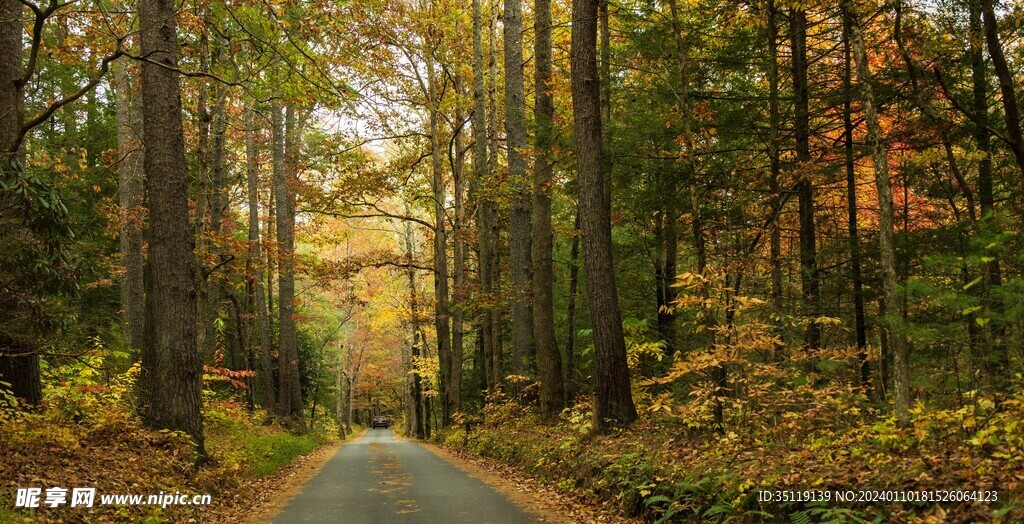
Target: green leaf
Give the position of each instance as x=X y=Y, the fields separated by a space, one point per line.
x=657 y=499
x=971 y=283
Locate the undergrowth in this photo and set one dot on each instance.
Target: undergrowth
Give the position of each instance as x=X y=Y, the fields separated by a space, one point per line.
x=86 y=435
x=670 y=469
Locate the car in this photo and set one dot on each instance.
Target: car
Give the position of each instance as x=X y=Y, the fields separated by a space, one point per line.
x=380 y=422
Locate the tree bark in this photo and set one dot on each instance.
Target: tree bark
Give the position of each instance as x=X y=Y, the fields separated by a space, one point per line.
x=570 y=314
x=254 y=265
x=613 y=400
x=549 y=360
x=809 y=277
x=1011 y=111
x=497 y=320
x=775 y=159
x=860 y=327
x=485 y=202
x=171 y=368
x=458 y=269
x=879 y=158
x=19 y=362
x=995 y=357
x=416 y=387
x=442 y=318
x=520 y=258
x=130 y=195
x=285 y=139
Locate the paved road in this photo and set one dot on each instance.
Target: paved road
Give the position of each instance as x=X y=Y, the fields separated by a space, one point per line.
x=381 y=479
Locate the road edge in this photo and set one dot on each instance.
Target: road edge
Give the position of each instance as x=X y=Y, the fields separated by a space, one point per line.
x=293 y=479
x=543 y=509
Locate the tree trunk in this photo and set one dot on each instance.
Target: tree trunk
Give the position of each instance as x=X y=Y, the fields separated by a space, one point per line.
x=994 y=358
x=171 y=376
x=458 y=268
x=497 y=322
x=570 y=313
x=19 y=362
x=613 y=400
x=774 y=154
x=809 y=277
x=485 y=200
x=442 y=320
x=1011 y=111
x=211 y=296
x=254 y=265
x=520 y=258
x=130 y=194
x=876 y=142
x=415 y=385
x=860 y=327
x=665 y=275
x=549 y=360
x=285 y=132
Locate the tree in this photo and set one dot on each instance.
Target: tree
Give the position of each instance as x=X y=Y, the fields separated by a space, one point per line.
x=613 y=400
x=520 y=259
x=485 y=207
x=886 y=245
x=130 y=191
x=19 y=362
x=549 y=360
x=255 y=290
x=809 y=277
x=285 y=133
x=171 y=379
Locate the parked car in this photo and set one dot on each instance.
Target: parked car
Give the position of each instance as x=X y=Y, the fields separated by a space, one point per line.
x=380 y=422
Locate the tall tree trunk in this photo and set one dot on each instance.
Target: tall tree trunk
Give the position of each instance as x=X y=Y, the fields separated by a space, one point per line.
x=994 y=358
x=860 y=327
x=442 y=320
x=212 y=296
x=774 y=154
x=171 y=368
x=130 y=194
x=570 y=314
x=809 y=277
x=520 y=258
x=254 y=265
x=549 y=360
x=485 y=199
x=876 y=142
x=1011 y=111
x=458 y=268
x=497 y=322
x=285 y=139
x=416 y=382
x=19 y=362
x=340 y=410
x=665 y=275
x=204 y=324
x=613 y=400
x=605 y=71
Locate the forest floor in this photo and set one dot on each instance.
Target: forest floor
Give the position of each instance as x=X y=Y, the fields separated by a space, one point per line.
x=661 y=470
x=252 y=464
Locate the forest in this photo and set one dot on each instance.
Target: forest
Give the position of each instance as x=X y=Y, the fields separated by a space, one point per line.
x=670 y=260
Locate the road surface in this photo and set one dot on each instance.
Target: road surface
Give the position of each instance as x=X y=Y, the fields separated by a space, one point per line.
x=379 y=478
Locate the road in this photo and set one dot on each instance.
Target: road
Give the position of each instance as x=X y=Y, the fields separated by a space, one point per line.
x=379 y=478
